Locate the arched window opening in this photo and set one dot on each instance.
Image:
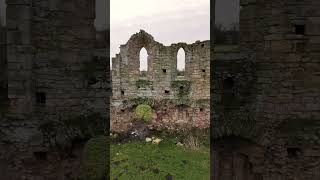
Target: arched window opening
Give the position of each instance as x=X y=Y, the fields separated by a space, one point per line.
x=181 y=62
x=143 y=60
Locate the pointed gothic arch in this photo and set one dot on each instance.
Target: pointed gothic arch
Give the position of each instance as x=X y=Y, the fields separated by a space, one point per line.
x=143 y=59
x=181 y=60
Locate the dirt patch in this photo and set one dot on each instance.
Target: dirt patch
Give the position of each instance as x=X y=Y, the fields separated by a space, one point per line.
x=139 y=131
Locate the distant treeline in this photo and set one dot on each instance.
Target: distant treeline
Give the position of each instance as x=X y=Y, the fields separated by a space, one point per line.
x=226 y=36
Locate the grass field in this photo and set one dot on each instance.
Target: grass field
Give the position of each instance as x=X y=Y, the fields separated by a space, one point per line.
x=146 y=161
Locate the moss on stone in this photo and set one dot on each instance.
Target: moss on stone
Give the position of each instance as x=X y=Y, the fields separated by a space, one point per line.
x=203 y=103
x=182 y=101
x=182 y=87
x=71 y=127
x=135 y=101
x=238 y=122
x=142 y=83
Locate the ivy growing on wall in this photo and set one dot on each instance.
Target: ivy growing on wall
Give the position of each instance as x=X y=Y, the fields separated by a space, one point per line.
x=142 y=83
x=182 y=89
x=132 y=102
x=239 y=122
x=203 y=103
x=301 y=130
x=71 y=127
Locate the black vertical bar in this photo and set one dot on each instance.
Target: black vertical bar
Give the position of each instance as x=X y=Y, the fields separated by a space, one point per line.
x=212 y=39
x=107 y=14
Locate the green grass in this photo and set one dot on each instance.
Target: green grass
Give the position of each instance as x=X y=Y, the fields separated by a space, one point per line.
x=146 y=161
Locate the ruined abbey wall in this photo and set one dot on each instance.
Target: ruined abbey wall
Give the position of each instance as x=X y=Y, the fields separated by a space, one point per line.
x=54 y=73
x=3 y=65
x=161 y=84
x=266 y=120
x=49 y=44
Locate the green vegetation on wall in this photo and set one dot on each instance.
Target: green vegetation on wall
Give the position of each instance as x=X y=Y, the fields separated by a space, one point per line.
x=135 y=101
x=203 y=102
x=301 y=130
x=142 y=83
x=238 y=122
x=144 y=112
x=182 y=88
x=71 y=127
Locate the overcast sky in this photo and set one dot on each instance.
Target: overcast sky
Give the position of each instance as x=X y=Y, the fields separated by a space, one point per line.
x=168 y=21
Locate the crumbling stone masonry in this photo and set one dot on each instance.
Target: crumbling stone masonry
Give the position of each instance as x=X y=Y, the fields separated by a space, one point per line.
x=3 y=66
x=266 y=108
x=178 y=101
x=53 y=72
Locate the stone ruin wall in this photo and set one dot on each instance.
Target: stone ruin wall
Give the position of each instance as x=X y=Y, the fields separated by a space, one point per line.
x=266 y=97
x=3 y=66
x=53 y=72
x=161 y=84
x=266 y=120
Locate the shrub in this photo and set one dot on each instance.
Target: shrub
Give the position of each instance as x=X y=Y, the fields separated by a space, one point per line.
x=70 y=128
x=144 y=112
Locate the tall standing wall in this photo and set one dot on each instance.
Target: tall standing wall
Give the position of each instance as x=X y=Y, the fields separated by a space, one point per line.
x=274 y=130
x=54 y=74
x=161 y=85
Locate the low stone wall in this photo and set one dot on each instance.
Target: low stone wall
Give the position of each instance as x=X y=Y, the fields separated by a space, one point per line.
x=169 y=116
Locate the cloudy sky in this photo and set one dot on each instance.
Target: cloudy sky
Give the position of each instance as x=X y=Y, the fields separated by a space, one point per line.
x=168 y=21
